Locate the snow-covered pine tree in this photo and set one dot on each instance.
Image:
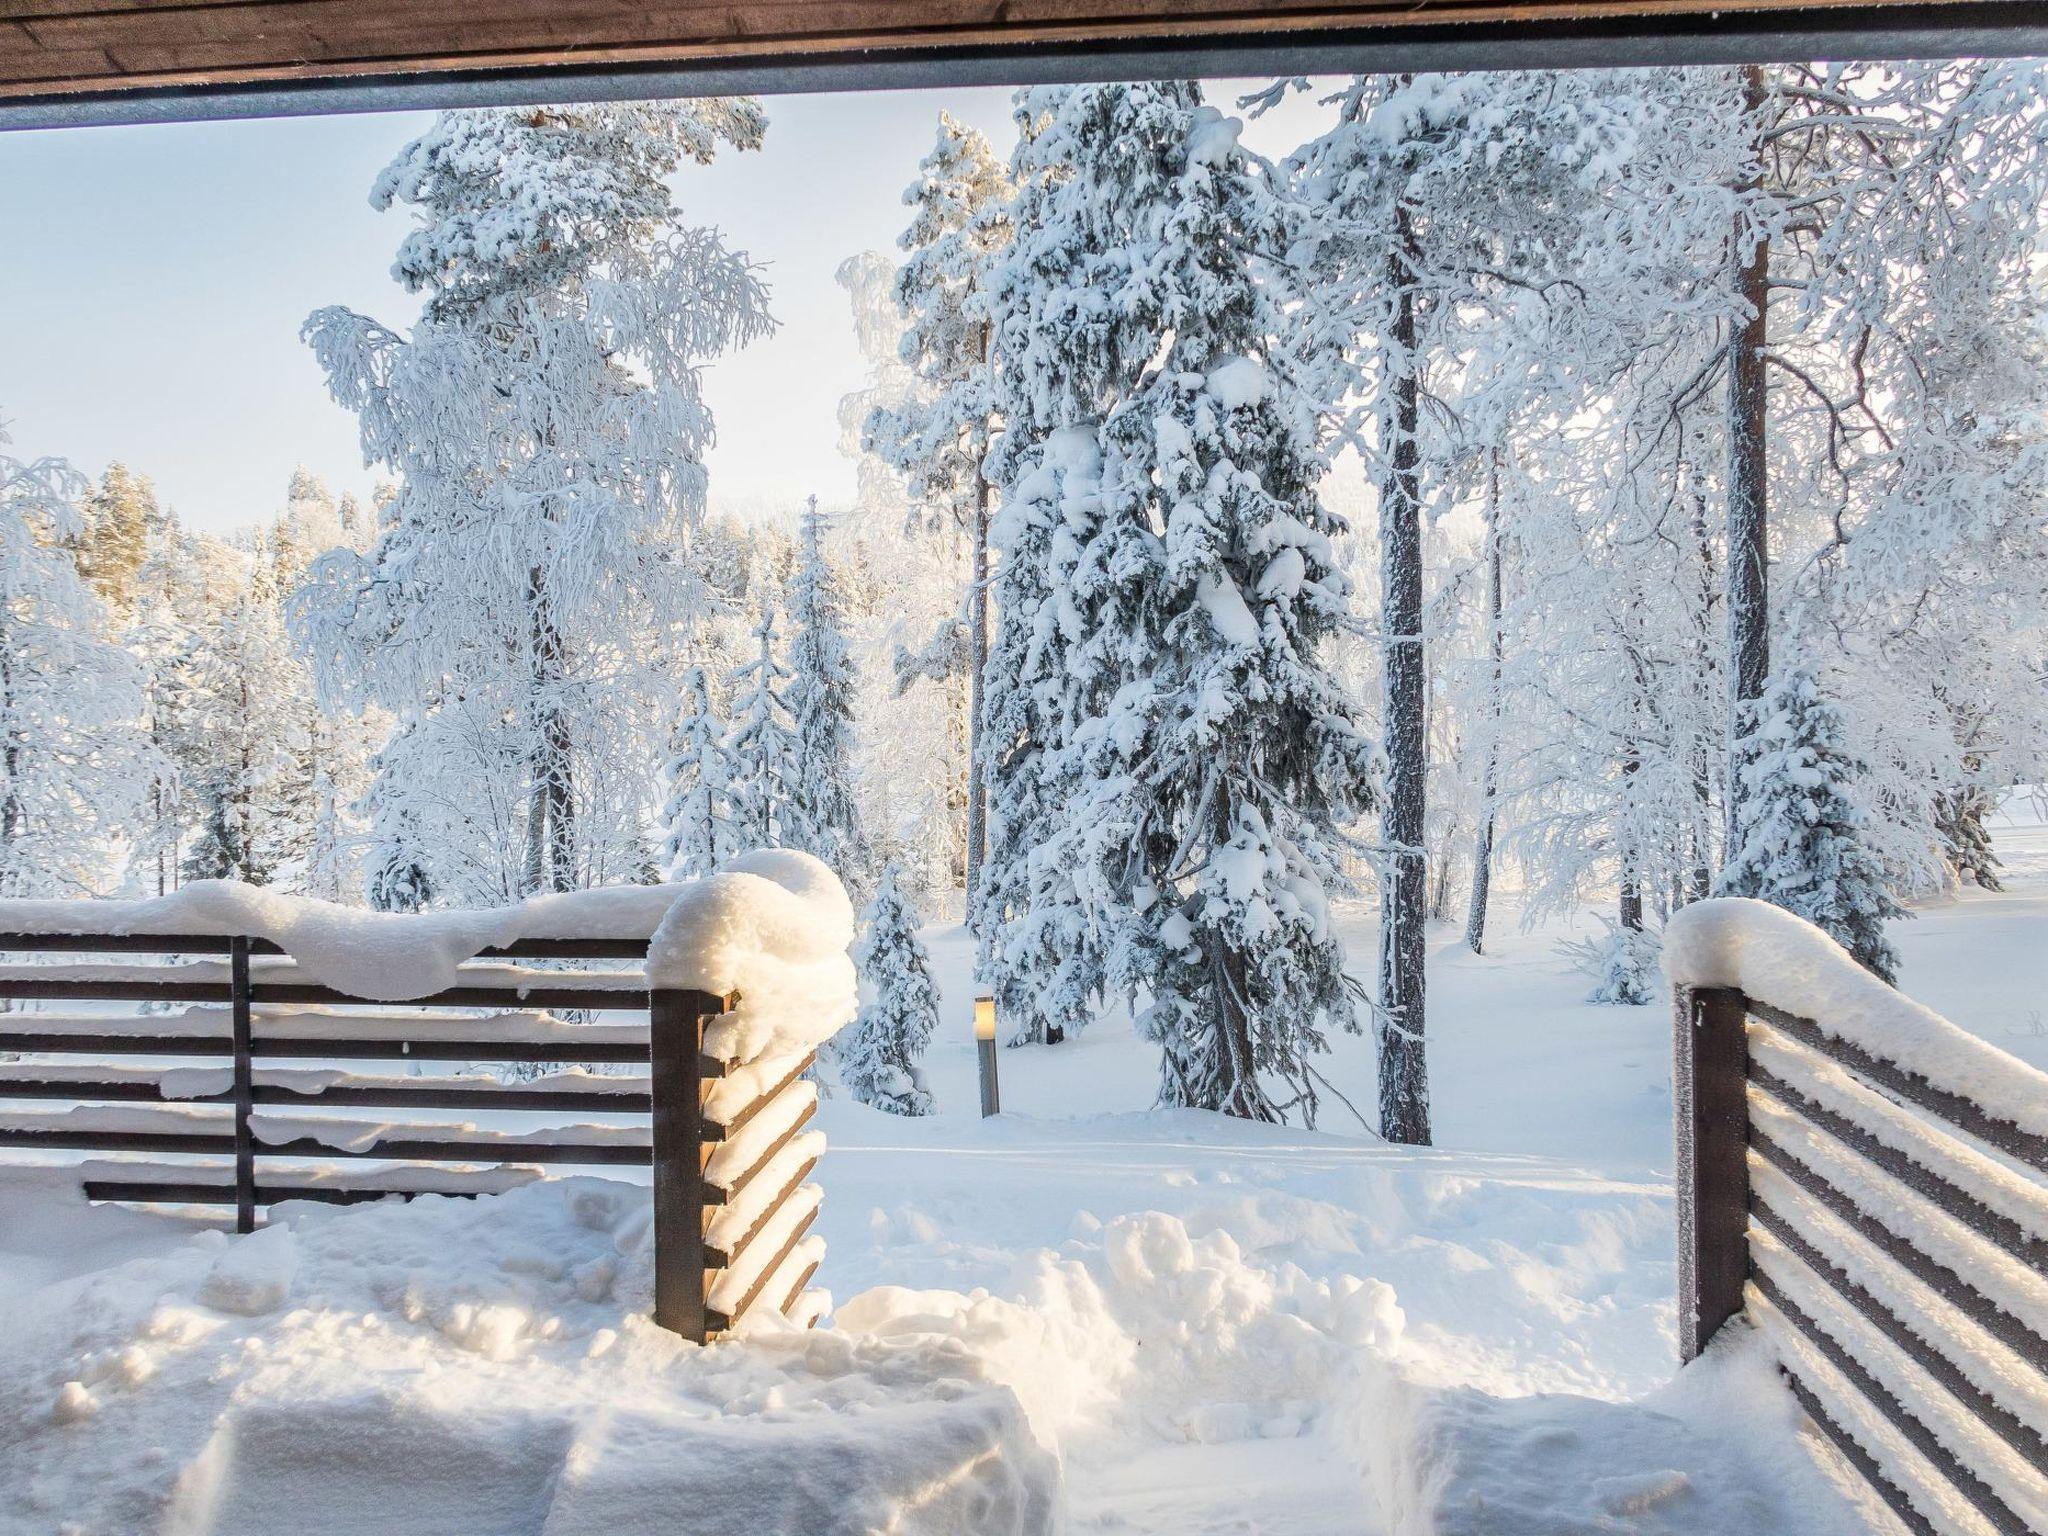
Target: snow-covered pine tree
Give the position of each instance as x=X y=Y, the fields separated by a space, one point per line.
x=249 y=788
x=939 y=435
x=74 y=762
x=1211 y=758
x=121 y=521
x=696 y=819
x=822 y=816
x=878 y=1057
x=1803 y=835
x=762 y=747
x=546 y=425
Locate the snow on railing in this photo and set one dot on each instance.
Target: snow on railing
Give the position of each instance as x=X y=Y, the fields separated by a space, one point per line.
x=1868 y=1185
x=719 y=991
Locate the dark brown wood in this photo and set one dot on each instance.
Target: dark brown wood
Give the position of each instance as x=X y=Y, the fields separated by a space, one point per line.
x=244 y=1090
x=676 y=1030
x=565 y=1053
x=197 y=1192
x=1923 y=1181
x=1710 y=1095
x=405 y=1149
x=1957 y=1109
x=628 y=1098
x=69 y=61
x=2026 y=1444
x=1982 y=1497
x=222 y=944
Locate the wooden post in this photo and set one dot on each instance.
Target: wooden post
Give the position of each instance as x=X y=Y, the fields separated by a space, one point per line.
x=1710 y=1102
x=675 y=1026
x=245 y=1087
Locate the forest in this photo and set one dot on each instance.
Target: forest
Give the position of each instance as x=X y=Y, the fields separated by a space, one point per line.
x=1613 y=488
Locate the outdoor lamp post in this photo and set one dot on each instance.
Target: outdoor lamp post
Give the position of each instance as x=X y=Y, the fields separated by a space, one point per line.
x=985 y=1049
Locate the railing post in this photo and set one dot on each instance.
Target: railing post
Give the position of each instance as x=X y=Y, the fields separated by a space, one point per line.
x=675 y=1037
x=1710 y=1101
x=245 y=1086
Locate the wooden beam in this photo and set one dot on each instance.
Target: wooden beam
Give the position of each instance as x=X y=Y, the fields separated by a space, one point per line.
x=84 y=61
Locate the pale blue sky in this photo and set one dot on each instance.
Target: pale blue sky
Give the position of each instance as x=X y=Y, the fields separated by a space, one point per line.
x=152 y=283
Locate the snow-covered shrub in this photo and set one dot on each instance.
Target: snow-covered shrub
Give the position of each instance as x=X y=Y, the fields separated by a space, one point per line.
x=1623 y=962
x=1800 y=835
x=899 y=1009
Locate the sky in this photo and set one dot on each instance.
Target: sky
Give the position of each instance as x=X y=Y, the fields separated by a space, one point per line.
x=155 y=279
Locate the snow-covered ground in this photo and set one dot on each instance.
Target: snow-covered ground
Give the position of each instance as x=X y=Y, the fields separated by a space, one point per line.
x=1152 y=1322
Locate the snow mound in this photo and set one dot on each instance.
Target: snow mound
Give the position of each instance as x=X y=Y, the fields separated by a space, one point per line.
x=775 y=927
x=486 y=1367
x=1778 y=958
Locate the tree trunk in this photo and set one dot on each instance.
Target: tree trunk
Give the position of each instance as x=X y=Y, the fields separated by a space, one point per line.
x=550 y=807
x=1631 y=882
x=977 y=630
x=1749 y=639
x=1403 y=1068
x=1489 y=781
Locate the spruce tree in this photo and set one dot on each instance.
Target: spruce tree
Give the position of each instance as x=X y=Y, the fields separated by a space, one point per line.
x=696 y=818
x=1212 y=759
x=1802 y=835
x=121 y=519
x=762 y=747
x=822 y=816
x=878 y=1057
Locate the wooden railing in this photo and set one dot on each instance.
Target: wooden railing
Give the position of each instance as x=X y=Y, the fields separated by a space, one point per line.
x=1889 y=1237
x=247 y=1097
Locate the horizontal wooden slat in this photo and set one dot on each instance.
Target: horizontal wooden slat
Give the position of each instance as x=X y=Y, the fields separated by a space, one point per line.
x=1957 y=1109
x=218 y=944
x=723 y=1194
x=1923 y=1181
x=629 y=1097
x=726 y=1257
x=563 y=1053
x=1865 y=1464
x=200 y=1192
x=714 y=1131
x=1938 y=1277
x=1980 y=1494
x=725 y=1320
x=1974 y=1399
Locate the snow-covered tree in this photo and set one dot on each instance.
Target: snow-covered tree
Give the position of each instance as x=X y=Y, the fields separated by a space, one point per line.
x=939 y=435
x=762 y=748
x=248 y=791
x=121 y=522
x=1209 y=759
x=74 y=763
x=1802 y=840
x=546 y=424
x=696 y=819
x=821 y=816
x=879 y=1055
